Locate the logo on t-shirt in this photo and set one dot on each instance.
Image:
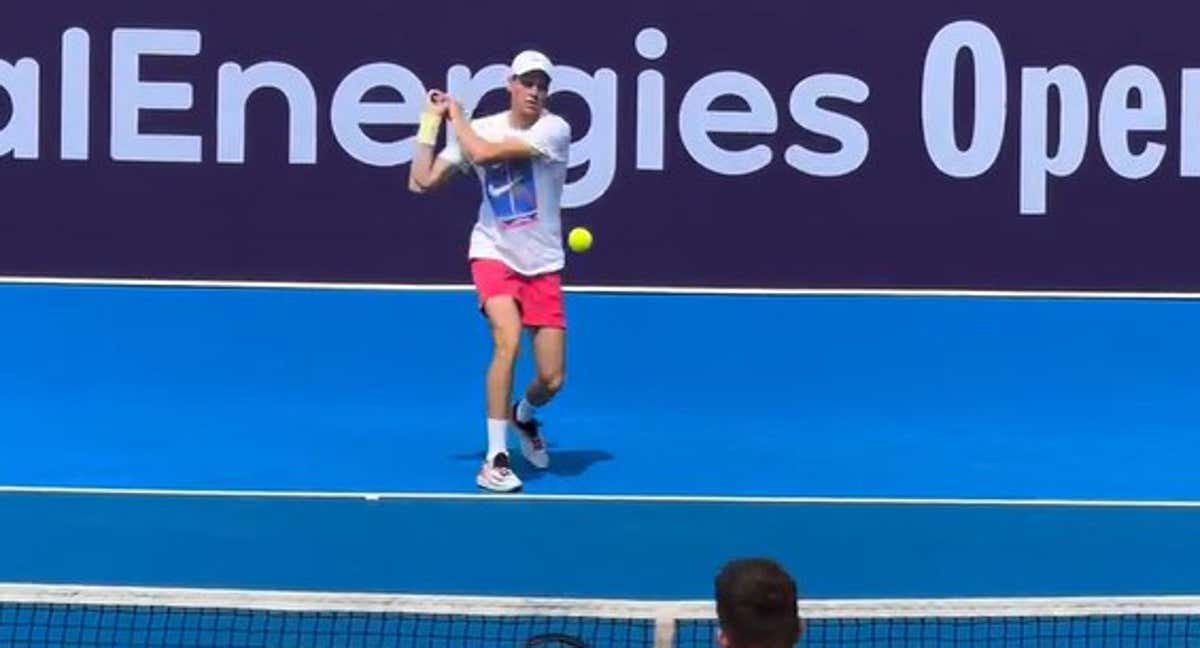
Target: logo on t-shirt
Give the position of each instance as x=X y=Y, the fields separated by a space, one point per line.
x=510 y=191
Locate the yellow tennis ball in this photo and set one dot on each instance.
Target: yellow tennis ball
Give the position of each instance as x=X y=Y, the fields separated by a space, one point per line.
x=580 y=239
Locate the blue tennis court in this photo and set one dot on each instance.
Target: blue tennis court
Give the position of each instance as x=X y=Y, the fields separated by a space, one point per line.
x=878 y=446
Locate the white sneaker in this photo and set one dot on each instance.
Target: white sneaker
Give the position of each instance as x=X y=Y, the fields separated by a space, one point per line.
x=533 y=444
x=497 y=475
x=534 y=451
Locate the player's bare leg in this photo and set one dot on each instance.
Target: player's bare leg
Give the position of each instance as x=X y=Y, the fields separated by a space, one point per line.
x=549 y=353
x=505 y=320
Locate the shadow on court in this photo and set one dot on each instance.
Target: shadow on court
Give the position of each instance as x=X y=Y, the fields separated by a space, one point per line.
x=563 y=463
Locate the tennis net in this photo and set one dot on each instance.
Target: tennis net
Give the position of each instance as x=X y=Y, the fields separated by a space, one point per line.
x=42 y=616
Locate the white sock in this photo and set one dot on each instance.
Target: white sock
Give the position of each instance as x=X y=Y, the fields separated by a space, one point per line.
x=497 y=430
x=525 y=411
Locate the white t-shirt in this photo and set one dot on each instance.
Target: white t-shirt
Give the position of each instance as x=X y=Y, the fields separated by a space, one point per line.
x=519 y=215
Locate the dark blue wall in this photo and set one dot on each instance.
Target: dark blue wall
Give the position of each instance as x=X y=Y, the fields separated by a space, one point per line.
x=880 y=198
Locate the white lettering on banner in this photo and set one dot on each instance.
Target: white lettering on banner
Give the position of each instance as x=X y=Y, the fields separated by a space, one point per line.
x=76 y=92
x=1038 y=84
x=1118 y=119
x=937 y=99
x=349 y=113
x=1131 y=102
x=1036 y=161
x=234 y=87
x=598 y=146
x=20 y=135
x=850 y=134
x=651 y=44
x=697 y=120
x=131 y=95
x=1189 y=124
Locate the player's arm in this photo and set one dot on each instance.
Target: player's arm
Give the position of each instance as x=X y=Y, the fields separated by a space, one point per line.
x=428 y=172
x=481 y=151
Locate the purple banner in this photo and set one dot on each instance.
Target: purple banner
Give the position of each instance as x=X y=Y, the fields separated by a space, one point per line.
x=782 y=145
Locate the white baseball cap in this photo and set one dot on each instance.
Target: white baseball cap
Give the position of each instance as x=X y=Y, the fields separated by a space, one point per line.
x=531 y=61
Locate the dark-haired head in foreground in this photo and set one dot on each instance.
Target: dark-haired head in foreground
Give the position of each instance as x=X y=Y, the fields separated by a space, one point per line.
x=756 y=605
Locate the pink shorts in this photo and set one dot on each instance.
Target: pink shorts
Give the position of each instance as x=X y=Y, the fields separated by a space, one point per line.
x=539 y=298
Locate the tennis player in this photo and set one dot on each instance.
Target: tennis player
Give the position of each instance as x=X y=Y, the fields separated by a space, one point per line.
x=516 y=254
x=756 y=605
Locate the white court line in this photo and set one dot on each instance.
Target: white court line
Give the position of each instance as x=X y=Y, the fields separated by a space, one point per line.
x=666 y=611
x=619 y=290
x=522 y=497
